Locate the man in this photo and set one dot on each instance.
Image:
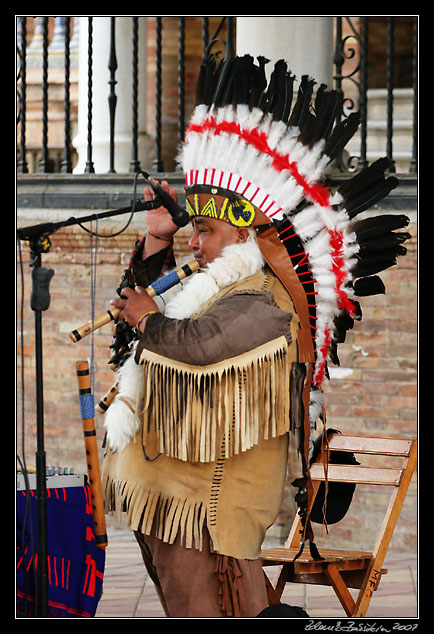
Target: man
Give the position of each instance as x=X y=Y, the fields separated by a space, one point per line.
x=198 y=433
x=200 y=517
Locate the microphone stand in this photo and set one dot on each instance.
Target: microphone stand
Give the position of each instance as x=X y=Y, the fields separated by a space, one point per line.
x=39 y=242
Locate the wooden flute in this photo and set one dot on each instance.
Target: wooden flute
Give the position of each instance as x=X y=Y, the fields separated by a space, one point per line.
x=156 y=288
x=92 y=459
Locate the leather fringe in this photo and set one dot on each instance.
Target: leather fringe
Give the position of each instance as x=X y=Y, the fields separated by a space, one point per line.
x=231 y=596
x=188 y=411
x=139 y=507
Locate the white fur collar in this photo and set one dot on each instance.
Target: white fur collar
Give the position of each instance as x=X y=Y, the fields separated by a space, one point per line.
x=237 y=262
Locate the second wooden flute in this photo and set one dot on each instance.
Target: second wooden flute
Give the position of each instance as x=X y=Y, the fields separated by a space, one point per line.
x=92 y=459
x=156 y=288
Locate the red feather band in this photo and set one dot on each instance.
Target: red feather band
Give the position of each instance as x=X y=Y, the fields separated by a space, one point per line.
x=258 y=139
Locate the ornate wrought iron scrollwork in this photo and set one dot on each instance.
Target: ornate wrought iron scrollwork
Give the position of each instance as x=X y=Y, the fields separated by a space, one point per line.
x=215 y=39
x=344 y=50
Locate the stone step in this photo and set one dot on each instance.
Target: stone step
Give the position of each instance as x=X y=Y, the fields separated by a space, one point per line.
x=402 y=103
x=402 y=126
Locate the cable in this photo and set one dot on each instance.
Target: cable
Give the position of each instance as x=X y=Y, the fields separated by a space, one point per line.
x=133 y=211
x=22 y=462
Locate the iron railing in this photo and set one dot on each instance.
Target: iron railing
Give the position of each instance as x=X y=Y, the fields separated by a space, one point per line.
x=48 y=159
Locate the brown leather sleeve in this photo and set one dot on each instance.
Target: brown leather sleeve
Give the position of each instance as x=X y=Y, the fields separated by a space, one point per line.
x=147 y=271
x=237 y=323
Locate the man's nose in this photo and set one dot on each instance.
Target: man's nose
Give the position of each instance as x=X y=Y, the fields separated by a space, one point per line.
x=193 y=242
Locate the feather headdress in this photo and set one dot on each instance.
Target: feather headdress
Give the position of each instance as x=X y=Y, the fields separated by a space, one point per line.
x=248 y=139
x=255 y=154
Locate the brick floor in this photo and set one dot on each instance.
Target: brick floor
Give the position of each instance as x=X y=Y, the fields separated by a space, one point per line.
x=129 y=592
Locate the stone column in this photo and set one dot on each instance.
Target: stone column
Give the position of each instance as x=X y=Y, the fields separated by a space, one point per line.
x=305 y=42
x=100 y=92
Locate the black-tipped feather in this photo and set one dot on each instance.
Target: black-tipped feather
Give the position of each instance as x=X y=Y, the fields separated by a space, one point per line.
x=258 y=81
x=372 y=285
x=240 y=85
x=379 y=225
x=277 y=103
x=365 y=179
x=224 y=79
x=205 y=87
x=302 y=104
x=325 y=112
x=342 y=133
x=369 y=198
x=386 y=241
x=342 y=323
x=371 y=267
x=333 y=353
x=289 y=94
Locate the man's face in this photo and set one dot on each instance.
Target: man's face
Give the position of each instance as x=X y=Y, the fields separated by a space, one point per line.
x=210 y=236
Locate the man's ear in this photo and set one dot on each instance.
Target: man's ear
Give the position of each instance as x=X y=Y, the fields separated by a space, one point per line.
x=242 y=234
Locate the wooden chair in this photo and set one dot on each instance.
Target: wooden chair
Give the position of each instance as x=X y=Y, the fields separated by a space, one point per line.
x=344 y=569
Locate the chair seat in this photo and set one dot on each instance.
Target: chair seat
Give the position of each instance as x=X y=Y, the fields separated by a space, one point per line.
x=344 y=559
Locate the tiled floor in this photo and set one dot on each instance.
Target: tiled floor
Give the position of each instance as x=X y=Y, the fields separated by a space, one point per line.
x=129 y=592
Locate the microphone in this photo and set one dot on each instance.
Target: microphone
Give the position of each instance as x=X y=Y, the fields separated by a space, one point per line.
x=179 y=215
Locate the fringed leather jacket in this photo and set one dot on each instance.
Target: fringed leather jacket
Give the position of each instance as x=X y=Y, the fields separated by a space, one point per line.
x=210 y=444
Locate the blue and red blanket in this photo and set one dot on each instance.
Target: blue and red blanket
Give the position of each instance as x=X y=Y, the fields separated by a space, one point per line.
x=75 y=565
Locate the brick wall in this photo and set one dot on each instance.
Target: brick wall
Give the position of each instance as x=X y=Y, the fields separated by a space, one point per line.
x=374 y=390
x=70 y=307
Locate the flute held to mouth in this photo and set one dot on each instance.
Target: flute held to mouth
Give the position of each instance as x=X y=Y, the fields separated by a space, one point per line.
x=157 y=288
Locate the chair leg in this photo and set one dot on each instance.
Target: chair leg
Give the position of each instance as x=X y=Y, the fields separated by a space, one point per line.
x=274 y=594
x=271 y=593
x=339 y=586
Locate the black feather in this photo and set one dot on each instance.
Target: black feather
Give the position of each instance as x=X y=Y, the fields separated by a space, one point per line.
x=302 y=104
x=289 y=94
x=325 y=112
x=333 y=353
x=370 y=197
x=273 y=100
x=378 y=225
x=342 y=323
x=224 y=79
x=364 y=268
x=277 y=103
x=258 y=81
x=386 y=241
x=240 y=84
x=205 y=86
x=319 y=97
x=372 y=285
x=364 y=179
x=341 y=134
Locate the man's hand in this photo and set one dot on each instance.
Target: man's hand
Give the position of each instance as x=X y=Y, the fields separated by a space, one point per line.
x=161 y=227
x=136 y=304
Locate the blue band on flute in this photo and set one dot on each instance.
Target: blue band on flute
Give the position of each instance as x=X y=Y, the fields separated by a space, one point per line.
x=164 y=283
x=87 y=409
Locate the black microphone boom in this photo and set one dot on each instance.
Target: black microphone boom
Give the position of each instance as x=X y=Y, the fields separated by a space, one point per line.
x=48 y=228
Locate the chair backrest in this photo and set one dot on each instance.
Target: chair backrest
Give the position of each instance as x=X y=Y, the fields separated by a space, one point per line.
x=397 y=476
x=360 y=474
